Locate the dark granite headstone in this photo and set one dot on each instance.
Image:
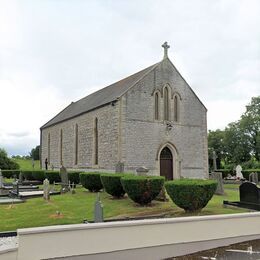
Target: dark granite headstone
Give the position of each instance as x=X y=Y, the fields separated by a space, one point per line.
x=249 y=193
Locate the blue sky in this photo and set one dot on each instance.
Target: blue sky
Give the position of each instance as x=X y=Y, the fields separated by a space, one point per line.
x=55 y=52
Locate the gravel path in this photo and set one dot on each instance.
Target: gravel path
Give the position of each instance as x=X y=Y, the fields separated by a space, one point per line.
x=8 y=242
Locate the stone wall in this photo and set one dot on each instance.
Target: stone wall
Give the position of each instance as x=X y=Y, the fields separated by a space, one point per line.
x=144 y=135
x=107 y=136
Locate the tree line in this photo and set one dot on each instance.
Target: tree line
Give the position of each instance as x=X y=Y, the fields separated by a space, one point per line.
x=239 y=142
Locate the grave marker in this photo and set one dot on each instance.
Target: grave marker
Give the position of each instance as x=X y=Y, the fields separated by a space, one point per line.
x=98 y=210
x=46 y=189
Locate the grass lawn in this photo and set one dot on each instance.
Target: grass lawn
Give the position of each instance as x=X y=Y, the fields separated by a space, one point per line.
x=75 y=208
x=26 y=164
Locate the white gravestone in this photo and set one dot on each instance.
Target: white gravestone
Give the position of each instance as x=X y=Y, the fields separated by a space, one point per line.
x=239 y=174
x=46 y=189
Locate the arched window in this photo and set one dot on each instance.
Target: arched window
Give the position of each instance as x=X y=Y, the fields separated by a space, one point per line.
x=96 y=141
x=156 y=104
x=61 y=146
x=76 y=143
x=49 y=145
x=176 y=109
x=166 y=104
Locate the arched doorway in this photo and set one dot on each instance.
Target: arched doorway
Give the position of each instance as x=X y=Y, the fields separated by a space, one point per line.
x=166 y=167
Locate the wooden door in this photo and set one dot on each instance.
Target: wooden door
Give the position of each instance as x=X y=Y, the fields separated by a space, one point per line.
x=166 y=167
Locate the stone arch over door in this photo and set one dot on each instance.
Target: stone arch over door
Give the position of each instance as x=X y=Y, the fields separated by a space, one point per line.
x=168 y=161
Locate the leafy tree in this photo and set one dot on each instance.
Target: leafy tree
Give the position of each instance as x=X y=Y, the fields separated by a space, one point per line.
x=35 y=153
x=7 y=163
x=250 y=125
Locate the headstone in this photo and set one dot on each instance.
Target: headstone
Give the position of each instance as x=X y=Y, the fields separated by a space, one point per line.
x=64 y=179
x=20 y=178
x=1 y=179
x=253 y=177
x=98 y=210
x=214 y=156
x=218 y=177
x=46 y=189
x=33 y=163
x=72 y=189
x=239 y=174
x=120 y=167
x=142 y=171
x=249 y=193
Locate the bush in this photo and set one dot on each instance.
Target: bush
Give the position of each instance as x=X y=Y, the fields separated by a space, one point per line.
x=74 y=177
x=247 y=172
x=38 y=175
x=6 y=163
x=191 y=194
x=142 y=189
x=53 y=176
x=112 y=184
x=91 y=181
x=10 y=173
x=28 y=175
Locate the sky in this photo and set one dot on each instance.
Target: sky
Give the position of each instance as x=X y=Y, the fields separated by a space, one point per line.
x=53 y=52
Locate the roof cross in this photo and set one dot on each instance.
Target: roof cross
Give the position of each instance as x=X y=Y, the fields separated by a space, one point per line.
x=166 y=47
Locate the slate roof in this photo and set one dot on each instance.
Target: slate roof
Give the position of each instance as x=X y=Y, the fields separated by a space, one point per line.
x=99 y=98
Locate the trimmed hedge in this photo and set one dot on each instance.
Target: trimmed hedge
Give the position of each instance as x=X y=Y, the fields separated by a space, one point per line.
x=38 y=175
x=53 y=176
x=74 y=177
x=28 y=175
x=91 y=181
x=247 y=172
x=10 y=173
x=142 y=189
x=112 y=184
x=191 y=194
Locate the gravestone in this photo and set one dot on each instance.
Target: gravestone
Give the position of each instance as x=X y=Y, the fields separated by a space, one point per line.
x=249 y=193
x=218 y=177
x=142 y=171
x=98 y=210
x=46 y=189
x=239 y=174
x=214 y=156
x=64 y=179
x=20 y=178
x=119 y=167
x=1 y=179
x=253 y=177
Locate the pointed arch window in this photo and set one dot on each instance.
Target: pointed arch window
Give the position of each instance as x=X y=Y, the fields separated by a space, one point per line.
x=96 y=141
x=166 y=103
x=76 y=143
x=156 y=103
x=176 y=109
x=61 y=147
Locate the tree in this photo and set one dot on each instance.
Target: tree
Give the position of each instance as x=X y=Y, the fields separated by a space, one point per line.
x=35 y=153
x=7 y=163
x=250 y=125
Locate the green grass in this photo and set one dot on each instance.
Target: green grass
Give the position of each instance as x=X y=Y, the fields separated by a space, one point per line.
x=26 y=164
x=75 y=208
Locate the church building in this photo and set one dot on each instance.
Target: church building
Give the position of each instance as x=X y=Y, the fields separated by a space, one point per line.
x=150 y=119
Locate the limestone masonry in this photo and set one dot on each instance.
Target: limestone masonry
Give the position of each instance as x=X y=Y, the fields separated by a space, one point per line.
x=152 y=119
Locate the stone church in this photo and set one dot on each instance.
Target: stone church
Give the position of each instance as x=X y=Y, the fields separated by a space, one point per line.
x=150 y=119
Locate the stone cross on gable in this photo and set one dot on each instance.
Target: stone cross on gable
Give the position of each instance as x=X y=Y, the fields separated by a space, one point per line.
x=166 y=47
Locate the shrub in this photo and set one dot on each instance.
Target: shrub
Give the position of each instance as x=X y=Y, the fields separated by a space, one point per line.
x=28 y=175
x=91 y=181
x=191 y=194
x=74 y=177
x=247 y=172
x=10 y=173
x=38 y=175
x=112 y=184
x=6 y=163
x=53 y=176
x=142 y=189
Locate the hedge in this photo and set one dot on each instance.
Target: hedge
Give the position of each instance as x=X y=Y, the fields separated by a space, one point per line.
x=191 y=194
x=28 y=175
x=74 y=177
x=142 y=189
x=38 y=175
x=247 y=172
x=112 y=184
x=10 y=173
x=53 y=176
x=91 y=181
